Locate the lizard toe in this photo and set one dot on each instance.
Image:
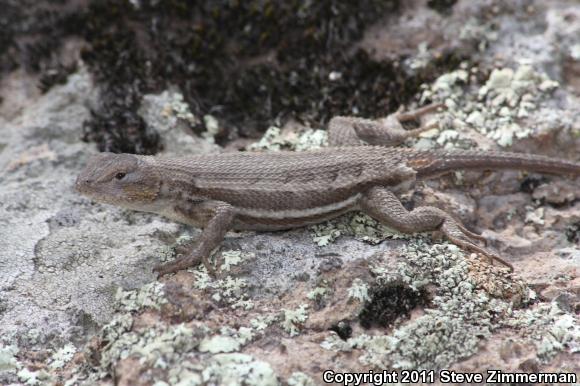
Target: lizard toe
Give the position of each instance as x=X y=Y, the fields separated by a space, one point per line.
x=176 y=265
x=463 y=238
x=472 y=235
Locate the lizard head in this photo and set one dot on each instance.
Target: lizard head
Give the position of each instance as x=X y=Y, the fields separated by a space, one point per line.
x=121 y=179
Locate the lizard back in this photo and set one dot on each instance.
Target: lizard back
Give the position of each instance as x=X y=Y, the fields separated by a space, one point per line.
x=282 y=181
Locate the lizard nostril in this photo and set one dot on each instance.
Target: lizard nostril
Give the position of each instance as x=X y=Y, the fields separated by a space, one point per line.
x=80 y=182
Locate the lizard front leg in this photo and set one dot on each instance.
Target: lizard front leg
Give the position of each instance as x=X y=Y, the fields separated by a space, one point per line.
x=384 y=206
x=352 y=131
x=221 y=220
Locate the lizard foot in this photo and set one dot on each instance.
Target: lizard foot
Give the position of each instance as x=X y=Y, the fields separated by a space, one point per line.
x=463 y=238
x=185 y=249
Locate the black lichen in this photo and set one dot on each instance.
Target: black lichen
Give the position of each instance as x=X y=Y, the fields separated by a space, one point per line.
x=444 y=7
x=343 y=329
x=530 y=183
x=387 y=303
x=54 y=75
x=573 y=233
x=250 y=63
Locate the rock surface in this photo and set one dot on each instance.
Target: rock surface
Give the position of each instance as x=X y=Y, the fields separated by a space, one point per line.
x=79 y=303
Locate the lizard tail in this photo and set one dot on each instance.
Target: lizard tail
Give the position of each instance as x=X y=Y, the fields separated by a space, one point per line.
x=433 y=163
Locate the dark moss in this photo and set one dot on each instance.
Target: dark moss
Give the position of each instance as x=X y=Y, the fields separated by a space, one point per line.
x=389 y=303
x=343 y=329
x=9 y=13
x=573 y=232
x=249 y=63
x=119 y=129
x=32 y=32
x=444 y=7
x=530 y=183
x=57 y=74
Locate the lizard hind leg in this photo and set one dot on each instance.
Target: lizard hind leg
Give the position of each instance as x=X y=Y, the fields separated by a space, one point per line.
x=384 y=206
x=354 y=131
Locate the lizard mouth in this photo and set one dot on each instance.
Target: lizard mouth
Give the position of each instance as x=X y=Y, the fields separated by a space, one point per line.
x=78 y=186
x=82 y=185
x=85 y=187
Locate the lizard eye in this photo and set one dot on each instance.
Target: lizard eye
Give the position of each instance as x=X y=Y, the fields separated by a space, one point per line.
x=120 y=175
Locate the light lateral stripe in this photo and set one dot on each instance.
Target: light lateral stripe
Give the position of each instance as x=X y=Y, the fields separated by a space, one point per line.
x=298 y=213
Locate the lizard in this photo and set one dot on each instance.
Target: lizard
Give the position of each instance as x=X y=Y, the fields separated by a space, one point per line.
x=266 y=191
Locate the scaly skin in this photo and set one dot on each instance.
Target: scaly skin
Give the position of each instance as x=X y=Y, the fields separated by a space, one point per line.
x=282 y=190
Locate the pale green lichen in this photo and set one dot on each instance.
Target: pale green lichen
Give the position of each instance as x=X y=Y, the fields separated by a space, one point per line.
x=159 y=347
x=211 y=125
x=8 y=359
x=324 y=234
x=447 y=136
x=169 y=347
x=260 y=323
x=238 y=369
x=575 y=52
x=228 y=290
x=119 y=325
x=150 y=295
x=293 y=319
x=176 y=108
x=182 y=376
x=300 y=379
x=185 y=374
x=481 y=33
x=494 y=109
x=317 y=293
x=334 y=343
x=219 y=344
x=356 y=224
x=61 y=357
x=378 y=350
x=460 y=314
x=243 y=304
x=535 y=215
x=359 y=290
x=231 y=291
x=245 y=335
x=33 y=378
x=231 y=287
x=275 y=139
x=164 y=347
x=311 y=139
x=233 y=258
x=550 y=328
x=422 y=58
x=229 y=340
x=271 y=140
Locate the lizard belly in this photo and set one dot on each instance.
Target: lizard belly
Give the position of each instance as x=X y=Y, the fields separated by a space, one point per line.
x=265 y=219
